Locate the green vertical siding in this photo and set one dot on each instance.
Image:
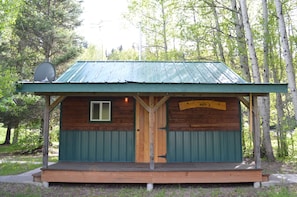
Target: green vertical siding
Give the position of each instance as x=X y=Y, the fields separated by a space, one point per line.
x=204 y=146
x=100 y=146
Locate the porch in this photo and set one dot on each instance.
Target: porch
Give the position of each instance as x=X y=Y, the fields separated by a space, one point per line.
x=164 y=173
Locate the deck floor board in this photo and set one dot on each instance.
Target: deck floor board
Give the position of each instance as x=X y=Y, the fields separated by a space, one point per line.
x=116 y=167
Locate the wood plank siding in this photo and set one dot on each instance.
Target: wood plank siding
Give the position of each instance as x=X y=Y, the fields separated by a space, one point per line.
x=204 y=134
x=75 y=114
x=205 y=119
x=83 y=140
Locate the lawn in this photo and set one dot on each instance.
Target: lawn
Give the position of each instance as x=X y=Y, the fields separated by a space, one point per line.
x=12 y=163
x=135 y=190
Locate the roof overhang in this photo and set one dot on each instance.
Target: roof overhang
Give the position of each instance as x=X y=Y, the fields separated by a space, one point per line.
x=149 y=88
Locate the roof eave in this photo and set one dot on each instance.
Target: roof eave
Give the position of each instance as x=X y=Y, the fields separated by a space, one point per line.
x=57 y=88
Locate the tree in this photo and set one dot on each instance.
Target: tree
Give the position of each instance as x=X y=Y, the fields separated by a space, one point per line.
x=42 y=30
x=47 y=28
x=257 y=79
x=265 y=111
x=241 y=44
x=9 y=10
x=287 y=54
x=19 y=109
x=157 y=21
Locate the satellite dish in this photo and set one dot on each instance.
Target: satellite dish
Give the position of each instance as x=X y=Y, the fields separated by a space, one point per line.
x=45 y=72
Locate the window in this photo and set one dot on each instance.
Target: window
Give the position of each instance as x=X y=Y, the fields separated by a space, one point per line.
x=100 y=111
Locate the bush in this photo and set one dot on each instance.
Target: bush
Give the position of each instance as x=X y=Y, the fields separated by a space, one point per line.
x=29 y=141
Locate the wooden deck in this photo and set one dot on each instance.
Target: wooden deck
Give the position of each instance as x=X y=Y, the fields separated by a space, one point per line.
x=164 y=173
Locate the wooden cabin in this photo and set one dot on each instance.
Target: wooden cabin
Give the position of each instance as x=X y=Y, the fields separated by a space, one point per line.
x=151 y=122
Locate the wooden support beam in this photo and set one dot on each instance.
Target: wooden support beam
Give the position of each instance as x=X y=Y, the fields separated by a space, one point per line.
x=244 y=101
x=142 y=103
x=251 y=113
x=46 y=115
x=151 y=131
x=160 y=103
x=56 y=102
x=256 y=133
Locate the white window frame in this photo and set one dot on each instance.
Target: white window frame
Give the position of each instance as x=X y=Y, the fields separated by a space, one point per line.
x=100 y=111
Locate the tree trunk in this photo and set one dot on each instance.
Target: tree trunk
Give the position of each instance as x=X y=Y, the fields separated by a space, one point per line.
x=241 y=44
x=265 y=112
x=217 y=37
x=164 y=29
x=15 y=135
x=8 y=134
x=287 y=54
x=257 y=79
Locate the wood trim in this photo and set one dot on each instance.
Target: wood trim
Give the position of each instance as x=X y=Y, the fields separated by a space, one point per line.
x=161 y=177
x=218 y=125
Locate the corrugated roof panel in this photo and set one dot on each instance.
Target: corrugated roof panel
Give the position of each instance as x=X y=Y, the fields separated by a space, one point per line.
x=149 y=72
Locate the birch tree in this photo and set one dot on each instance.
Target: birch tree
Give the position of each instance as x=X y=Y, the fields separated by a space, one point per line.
x=241 y=44
x=265 y=111
x=217 y=36
x=257 y=79
x=287 y=54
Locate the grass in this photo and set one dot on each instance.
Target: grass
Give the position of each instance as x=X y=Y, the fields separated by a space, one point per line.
x=124 y=190
x=16 y=164
x=8 y=168
x=12 y=163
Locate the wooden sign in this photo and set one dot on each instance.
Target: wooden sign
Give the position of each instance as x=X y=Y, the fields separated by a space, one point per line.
x=202 y=103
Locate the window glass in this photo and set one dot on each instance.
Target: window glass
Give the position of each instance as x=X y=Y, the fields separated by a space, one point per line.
x=96 y=111
x=105 y=111
x=100 y=111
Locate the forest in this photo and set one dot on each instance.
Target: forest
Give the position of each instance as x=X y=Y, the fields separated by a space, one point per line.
x=257 y=39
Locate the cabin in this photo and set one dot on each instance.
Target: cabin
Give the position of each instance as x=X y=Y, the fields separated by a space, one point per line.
x=151 y=122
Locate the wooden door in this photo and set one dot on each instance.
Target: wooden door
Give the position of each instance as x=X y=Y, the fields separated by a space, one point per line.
x=142 y=149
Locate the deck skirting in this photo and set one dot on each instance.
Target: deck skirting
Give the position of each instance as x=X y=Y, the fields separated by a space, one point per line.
x=139 y=173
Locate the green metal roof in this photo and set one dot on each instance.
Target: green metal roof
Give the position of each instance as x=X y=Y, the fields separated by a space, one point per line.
x=150 y=72
x=149 y=77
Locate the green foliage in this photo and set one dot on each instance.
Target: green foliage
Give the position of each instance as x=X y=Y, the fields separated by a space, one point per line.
x=54 y=134
x=92 y=53
x=9 y=10
x=29 y=141
x=19 y=108
x=121 y=54
x=7 y=83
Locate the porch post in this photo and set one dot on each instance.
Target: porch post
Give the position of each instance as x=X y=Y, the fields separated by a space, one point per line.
x=46 y=131
x=256 y=128
x=151 y=131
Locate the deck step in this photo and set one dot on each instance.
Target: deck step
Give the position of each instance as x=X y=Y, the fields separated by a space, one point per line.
x=265 y=177
x=37 y=177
